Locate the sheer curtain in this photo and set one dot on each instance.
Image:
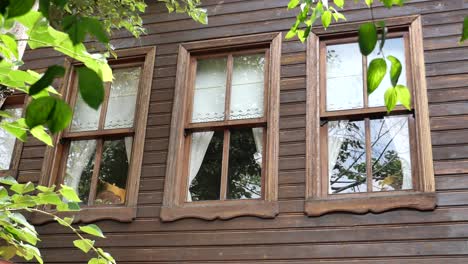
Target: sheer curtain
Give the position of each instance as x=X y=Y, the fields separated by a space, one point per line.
x=7 y=141
x=85 y=118
x=128 y=147
x=78 y=158
x=398 y=129
x=336 y=135
x=258 y=138
x=200 y=143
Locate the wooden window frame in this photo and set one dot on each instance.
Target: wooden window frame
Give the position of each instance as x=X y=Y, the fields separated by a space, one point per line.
x=15 y=100
x=55 y=157
x=175 y=189
x=422 y=196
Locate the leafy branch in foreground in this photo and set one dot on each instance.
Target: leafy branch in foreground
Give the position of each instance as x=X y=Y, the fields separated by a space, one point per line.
x=21 y=236
x=370 y=34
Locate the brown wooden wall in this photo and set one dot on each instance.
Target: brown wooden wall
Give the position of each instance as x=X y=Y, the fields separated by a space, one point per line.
x=400 y=236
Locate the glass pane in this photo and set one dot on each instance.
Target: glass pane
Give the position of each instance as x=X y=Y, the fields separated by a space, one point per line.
x=85 y=118
x=396 y=48
x=245 y=170
x=210 y=90
x=206 y=158
x=113 y=173
x=7 y=141
x=347 y=157
x=391 y=156
x=344 y=77
x=80 y=166
x=122 y=98
x=247 y=87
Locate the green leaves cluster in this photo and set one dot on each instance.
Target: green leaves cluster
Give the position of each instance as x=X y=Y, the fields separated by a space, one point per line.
x=191 y=7
x=21 y=236
x=311 y=12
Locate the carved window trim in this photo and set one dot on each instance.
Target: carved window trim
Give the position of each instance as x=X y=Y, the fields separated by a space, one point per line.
x=174 y=206
x=318 y=202
x=54 y=158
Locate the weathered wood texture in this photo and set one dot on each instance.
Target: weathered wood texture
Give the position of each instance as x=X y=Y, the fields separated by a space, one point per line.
x=399 y=236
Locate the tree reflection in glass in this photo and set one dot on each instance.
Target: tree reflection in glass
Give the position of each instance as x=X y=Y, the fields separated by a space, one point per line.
x=347 y=157
x=245 y=171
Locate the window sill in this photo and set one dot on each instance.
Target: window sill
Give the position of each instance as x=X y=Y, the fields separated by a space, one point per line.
x=220 y=210
x=90 y=214
x=375 y=204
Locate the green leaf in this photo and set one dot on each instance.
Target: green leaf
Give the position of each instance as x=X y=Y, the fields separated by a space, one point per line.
x=95 y=28
x=326 y=18
x=97 y=261
x=45 y=188
x=67 y=221
x=339 y=3
x=39 y=110
x=8 y=180
x=60 y=117
x=75 y=28
x=395 y=70
x=388 y=3
x=404 y=96
x=390 y=99
x=69 y=194
x=44 y=6
x=40 y=133
x=23 y=188
x=367 y=38
x=3 y=6
x=369 y=2
x=5 y=114
x=17 y=128
x=67 y=207
x=19 y=7
x=49 y=198
x=47 y=79
x=84 y=244
x=91 y=87
x=10 y=42
x=383 y=34
x=92 y=230
x=7 y=252
x=464 y=35
x=375 y=74
x=293 y=4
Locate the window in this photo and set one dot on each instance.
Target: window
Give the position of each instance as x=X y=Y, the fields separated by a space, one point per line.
x=10 y=147
x=100 y=154
x=225 y=115
x=368 y=160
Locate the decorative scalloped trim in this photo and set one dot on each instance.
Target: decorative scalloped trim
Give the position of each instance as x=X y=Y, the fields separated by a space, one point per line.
x=371 y=204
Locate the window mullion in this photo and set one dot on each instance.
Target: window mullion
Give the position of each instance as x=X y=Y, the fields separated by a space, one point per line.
x=225 y=165
x=105 y=102
x=96 y=168
x=368 y=155
x=364 y=78
x=227 y=103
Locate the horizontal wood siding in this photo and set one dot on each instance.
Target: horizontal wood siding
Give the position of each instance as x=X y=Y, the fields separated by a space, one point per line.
x=399 y=236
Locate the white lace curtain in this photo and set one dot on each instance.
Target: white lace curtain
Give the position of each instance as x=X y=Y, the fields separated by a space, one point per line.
x=7 y=141
x=121 y=106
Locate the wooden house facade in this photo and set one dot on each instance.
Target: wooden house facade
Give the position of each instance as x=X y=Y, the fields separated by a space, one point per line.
x=280 y=184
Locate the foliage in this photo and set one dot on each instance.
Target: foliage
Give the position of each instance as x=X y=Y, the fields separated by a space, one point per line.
x=22 y=237
x=311 y=11
x=187 y=6
x=62 y=25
